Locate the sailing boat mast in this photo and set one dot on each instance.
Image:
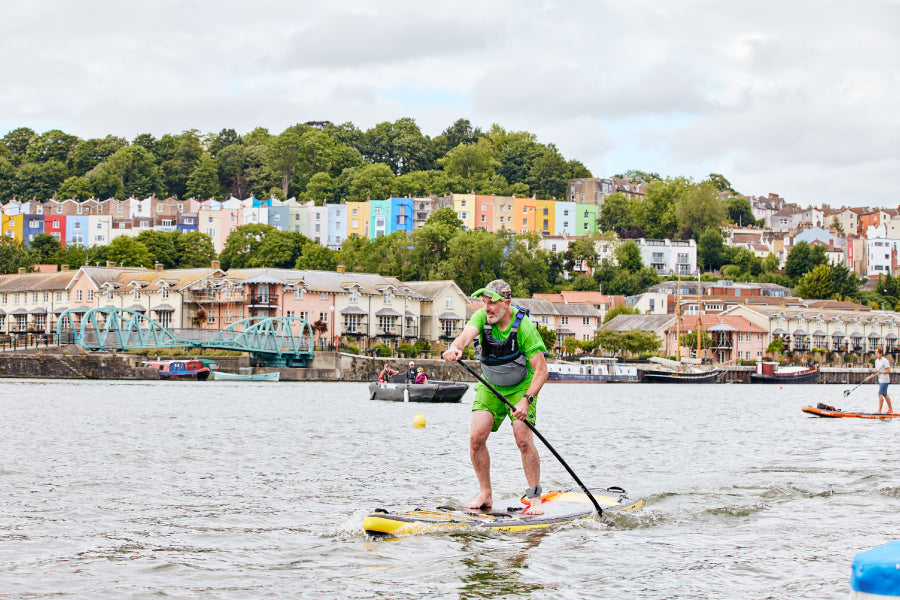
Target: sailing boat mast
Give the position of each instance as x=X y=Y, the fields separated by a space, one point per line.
x=678 y=320
x=699 y=318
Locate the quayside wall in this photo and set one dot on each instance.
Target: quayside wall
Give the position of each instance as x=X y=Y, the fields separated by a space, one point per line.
x=72 y=362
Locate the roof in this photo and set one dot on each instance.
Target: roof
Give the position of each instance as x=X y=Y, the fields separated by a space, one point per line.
x=714 y=322
x=642 y=322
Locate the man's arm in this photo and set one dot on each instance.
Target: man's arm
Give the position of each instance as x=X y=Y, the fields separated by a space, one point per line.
x=454 y=352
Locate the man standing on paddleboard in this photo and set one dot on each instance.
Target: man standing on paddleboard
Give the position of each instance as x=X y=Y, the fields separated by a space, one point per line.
x=512 y=360
x=883 y=370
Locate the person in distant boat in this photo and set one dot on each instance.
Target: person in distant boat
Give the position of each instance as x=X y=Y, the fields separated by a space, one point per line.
x=411 y=373
x=421 y=377
x=883 y=371
x=386 y=373
x=512 y=360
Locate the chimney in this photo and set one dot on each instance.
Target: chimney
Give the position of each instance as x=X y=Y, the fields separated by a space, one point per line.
x=21 y=270
x=158 y=266
x=341 y=268
x=63 y=267
x=216 y=264
x=110 y=264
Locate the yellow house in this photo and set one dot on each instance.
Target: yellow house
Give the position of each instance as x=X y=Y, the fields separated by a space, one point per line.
x=524 y=215
x=464 y=205
x=358 y=219
x=12 y=226
x=545 y=211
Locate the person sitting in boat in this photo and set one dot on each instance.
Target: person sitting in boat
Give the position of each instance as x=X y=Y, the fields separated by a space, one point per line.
x=411 y=373
x=386 y=374
x=421 y=377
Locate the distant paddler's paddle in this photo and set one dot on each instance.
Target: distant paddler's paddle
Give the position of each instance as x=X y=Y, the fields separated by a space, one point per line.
x=540 y=437
x=848 y=392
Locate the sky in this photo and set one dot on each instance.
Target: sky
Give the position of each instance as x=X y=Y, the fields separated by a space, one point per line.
x=795 y=98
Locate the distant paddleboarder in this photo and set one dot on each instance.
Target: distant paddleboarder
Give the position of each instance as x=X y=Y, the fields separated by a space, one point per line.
x=512 y=360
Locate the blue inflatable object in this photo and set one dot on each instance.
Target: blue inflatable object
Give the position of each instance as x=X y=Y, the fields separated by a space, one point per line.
x=877 y=571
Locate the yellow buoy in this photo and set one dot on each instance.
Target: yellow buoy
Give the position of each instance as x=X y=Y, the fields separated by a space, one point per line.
x=419 y=421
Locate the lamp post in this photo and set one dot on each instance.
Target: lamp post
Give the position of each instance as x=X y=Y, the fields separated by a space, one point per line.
x=333 y=333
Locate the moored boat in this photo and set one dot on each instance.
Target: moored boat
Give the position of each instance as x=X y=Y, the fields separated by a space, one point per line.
x=225 y=376
x=180 y=370
x=772 y=372
x=433 y=391
x=684 y=371
x=591 y=370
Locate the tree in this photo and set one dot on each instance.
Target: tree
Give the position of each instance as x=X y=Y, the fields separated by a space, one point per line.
x=689 y=340
x=128 y=252
x=549 y=174
x=621 y=309
x=655 y=214
x=711 y=249
x=314 y=256
x=178 y=157
x=45 y=248
x=628 y=256
x=13 y=255
x=699 y=209
x=16 y=144
x=161 y=246
x=131 y=171
x=203 y=182
x=548 y=335
x=50 y=145
x=370 y=182
x=740 y=211
x=817 y=283
x=471 y=161
x=721 y=184
x=802 y=258
x=616 y=213
x=194 y=250
x=283 y=152
x=242 y=245
x=79 y=188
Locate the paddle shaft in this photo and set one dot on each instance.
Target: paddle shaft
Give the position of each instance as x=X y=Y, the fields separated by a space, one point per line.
x=539 y=436
x=848 y=392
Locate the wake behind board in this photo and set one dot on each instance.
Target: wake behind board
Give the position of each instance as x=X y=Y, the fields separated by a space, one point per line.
x=559 y=507
x=823 y=410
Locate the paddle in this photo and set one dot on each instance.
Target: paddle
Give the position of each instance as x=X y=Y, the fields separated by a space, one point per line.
x=540 y=437
x=848 y=392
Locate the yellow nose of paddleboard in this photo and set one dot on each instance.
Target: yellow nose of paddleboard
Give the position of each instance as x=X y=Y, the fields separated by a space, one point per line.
x=419 y=421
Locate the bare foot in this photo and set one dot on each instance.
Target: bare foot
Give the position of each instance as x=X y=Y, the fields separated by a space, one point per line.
x=481 y=501
x=534 y=508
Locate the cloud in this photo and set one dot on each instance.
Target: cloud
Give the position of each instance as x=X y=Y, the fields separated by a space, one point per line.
x=786 y=97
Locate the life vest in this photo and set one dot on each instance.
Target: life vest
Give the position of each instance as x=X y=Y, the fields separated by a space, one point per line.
x=502 y=362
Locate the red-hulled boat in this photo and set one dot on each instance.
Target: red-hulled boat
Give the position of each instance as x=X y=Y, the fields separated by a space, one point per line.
x=772 y=372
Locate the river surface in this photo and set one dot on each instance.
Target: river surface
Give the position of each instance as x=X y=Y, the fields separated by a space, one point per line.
x=245 y=490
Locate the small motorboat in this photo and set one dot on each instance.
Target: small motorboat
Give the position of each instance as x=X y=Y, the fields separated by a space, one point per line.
x=180 y=370
x=772 y=372
x=433 y=391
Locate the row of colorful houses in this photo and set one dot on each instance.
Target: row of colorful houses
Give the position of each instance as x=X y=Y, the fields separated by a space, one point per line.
x=357 y=309
x=96 y=222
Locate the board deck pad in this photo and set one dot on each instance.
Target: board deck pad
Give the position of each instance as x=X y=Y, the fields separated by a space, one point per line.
x=559 y=507
x=823 y=410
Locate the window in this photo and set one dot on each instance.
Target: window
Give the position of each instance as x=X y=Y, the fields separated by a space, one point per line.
x=565 y=320
x=304 y=315
x=323 y=316
x=77 y=295
x=323 y=295
x=585 y=320
x=354 y=296
x=165 y=292
x=90 y=295
x=298 y=294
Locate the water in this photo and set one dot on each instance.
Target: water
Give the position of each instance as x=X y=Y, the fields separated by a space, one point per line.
x=240 y=490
